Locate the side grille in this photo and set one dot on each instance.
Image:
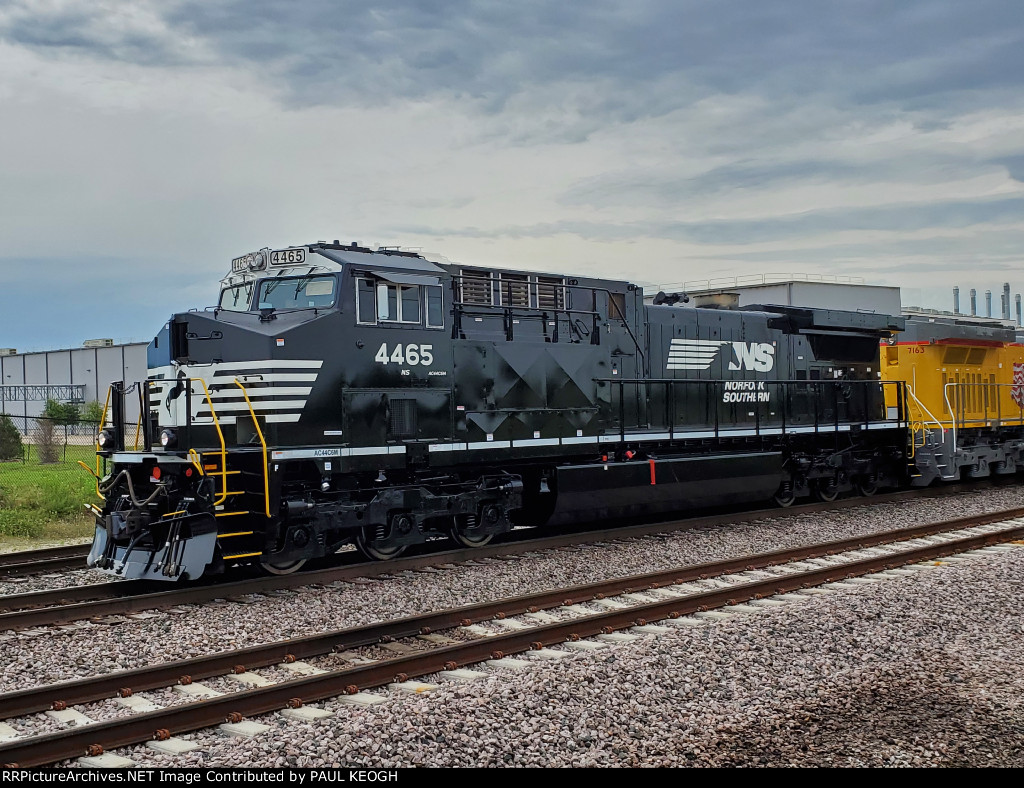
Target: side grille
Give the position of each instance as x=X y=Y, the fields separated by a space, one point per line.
x=402 y=418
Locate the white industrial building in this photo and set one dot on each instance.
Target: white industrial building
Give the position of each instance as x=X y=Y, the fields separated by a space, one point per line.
x=77 y=375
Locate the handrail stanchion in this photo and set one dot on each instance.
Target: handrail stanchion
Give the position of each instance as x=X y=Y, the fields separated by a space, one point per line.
x=263 y=443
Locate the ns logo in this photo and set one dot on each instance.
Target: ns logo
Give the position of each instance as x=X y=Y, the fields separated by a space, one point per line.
x=697 y=354
x=756 y=356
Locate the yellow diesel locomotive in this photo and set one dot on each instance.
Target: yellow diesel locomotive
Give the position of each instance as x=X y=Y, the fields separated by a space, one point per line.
x=964 y=381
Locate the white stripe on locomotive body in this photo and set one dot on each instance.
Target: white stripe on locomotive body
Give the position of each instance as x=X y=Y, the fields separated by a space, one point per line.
x=233 y=392
x=200 y=405
x=263 y=379
x=277 y=377
x=693 y=354
x=631 y=437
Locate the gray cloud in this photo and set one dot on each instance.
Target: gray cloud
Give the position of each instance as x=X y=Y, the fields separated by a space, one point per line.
x=331 y=51
x=900 y=218
x=856 y=136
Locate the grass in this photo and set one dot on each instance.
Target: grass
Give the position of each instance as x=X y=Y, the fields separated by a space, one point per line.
x=40 y=501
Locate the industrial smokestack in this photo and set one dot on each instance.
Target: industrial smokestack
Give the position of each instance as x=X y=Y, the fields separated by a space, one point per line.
x=956 y=300
x=988 y=303
x=1019 y=323
x=1006 y=300
x=974 y=302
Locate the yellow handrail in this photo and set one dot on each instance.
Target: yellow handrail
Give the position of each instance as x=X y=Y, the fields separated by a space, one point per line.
x=220 y=435
x=197 y=461
x=103 y=423
x=263 y=443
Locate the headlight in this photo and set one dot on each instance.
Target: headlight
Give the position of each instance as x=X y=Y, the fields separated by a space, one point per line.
x=168 y=438
x=106 y=438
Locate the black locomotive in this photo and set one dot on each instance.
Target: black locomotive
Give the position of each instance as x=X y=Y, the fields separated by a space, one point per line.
x=339 y=394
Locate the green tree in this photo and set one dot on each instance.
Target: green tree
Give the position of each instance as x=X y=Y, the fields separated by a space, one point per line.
x=11 y=447
x=93 y=412
x=65 y=413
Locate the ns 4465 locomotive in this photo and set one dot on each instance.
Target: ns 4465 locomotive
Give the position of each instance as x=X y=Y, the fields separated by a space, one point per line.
x=343 y=395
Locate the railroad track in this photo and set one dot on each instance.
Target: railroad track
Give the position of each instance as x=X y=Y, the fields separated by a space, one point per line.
x=49 y=559
x=126 y=597
x=21 y=563
x=437 y=642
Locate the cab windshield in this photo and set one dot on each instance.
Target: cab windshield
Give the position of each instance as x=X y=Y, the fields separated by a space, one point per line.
x=236 y=298
x=305 y=292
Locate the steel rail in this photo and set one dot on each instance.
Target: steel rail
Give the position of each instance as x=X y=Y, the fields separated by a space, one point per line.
x=52 y=559
x=138 y=728
x=161 y=675
x=26 y=562
x=59 y=606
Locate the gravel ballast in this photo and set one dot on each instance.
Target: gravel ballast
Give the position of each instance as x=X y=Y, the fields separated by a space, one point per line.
x=914 y=671
x=917 y=670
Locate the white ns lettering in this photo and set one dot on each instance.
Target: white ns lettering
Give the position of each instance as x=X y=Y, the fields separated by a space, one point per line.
x=757 y=356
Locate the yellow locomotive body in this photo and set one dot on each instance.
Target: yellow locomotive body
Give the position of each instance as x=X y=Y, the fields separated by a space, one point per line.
x=965 y=395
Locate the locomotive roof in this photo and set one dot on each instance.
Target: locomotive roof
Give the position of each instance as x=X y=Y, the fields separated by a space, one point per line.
x=390 y=258
x=922 y=327
x=265 y=262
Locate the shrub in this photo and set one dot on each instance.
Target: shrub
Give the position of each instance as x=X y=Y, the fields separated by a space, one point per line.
x=93 y=411
x=46 y=440
x=64 y=413
x=11 y=447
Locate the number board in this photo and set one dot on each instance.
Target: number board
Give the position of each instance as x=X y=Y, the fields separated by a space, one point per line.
x=288 y=256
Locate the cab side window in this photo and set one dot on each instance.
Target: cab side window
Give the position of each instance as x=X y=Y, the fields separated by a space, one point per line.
x=379 y=302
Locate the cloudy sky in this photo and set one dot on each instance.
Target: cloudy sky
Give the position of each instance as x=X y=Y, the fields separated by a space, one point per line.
x=144 y=143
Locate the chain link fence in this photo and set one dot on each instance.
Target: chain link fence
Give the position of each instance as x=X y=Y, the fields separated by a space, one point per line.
x=44 y=490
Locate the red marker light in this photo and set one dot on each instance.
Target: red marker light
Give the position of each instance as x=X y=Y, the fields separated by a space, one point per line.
x=156 y=473
x=188 y=472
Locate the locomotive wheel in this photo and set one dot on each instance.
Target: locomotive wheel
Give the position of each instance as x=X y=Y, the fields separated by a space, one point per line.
x=785 y=496
x=867 y=486
x=826 y=491
x=461 y=536
x=377 y=549
x=283 y=569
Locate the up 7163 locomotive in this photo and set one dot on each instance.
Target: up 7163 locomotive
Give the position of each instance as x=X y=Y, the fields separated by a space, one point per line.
x=339 y=394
